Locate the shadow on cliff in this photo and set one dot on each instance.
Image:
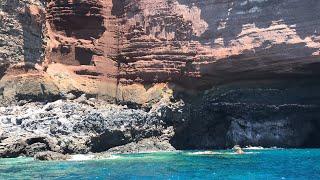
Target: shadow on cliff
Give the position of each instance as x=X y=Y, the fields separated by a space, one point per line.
x=33 y=38
x=118 y=8
x=282 y=113
x=226 y=20
x=118 y=11
x=235 y=14
x=79 y=19
x=3 y=68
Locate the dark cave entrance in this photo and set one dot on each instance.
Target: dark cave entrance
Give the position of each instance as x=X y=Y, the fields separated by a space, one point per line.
x=83 y=56
x=80 y=27
x=282 y=113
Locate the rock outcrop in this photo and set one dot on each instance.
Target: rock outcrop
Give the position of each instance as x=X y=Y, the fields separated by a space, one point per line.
x=79 y=126
x=211 y=73
x=50 y=156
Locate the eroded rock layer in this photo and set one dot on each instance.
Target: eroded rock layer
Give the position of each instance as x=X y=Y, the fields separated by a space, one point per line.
x=215 y=41
x=105 y=45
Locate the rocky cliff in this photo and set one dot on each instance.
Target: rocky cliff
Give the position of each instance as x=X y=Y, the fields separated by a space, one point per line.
x=111 y=47
x=242 y=71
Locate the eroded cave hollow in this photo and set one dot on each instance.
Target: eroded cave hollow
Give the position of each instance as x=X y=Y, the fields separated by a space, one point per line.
x=81 y=20
x=281 y=113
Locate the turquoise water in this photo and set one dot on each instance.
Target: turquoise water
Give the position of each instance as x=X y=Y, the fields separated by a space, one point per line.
x=258 y=164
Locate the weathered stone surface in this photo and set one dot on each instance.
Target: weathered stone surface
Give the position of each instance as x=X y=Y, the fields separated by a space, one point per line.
x=217 y=41
x=129 y=45
x=14 y=145
x=50 y=156
x=143 y=146
x=282 y=113
x=70 y=127
x=21 y=31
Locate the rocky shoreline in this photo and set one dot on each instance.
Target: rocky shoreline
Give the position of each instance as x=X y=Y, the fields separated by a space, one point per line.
x=157 y=75
x=257 y=113
x=80 y=126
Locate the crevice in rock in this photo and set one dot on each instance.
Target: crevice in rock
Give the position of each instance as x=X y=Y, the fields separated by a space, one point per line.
x=107 y=140
x=87 y=72
x=83 y=55
x=3 y=69
x=33 y=37
x=80 y=27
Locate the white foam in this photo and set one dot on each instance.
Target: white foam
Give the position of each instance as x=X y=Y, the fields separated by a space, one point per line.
x=112 y=157
x=234 y=153
x=204 y=153
x=84 y=157
x=218 y=153
x=260 y=148
x=81 y=157
x=254 y=148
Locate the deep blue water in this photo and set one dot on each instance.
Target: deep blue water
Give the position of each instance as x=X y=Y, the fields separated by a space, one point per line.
x=258 y=164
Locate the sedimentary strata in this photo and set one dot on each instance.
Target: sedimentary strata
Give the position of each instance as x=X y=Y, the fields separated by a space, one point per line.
x=110 y=47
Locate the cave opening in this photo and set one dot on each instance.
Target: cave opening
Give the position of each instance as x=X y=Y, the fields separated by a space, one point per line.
x=279 y=113
x=80 y=27
x=78 y=19
x=88 y=73
x=83 y=55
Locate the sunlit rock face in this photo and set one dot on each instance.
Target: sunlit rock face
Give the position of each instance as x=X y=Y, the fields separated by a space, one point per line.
x=100 y=47
x=216 y=41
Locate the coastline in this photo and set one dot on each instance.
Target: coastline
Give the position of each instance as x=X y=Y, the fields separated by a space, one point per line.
x=55 y=130
x=52 y=156
x=84 y=124
x=266 y=164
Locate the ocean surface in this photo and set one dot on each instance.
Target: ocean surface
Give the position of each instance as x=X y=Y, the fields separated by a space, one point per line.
x=256 y=164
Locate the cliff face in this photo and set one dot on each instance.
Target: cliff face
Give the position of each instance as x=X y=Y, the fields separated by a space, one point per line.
x=21 y=36
x=245 y=65
x=105 y=45
x=216 y=41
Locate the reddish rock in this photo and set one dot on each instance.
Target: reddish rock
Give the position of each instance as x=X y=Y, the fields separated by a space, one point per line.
x=105 y=47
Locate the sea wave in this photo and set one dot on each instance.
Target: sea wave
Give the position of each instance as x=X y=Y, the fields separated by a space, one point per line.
x=203 y=153
x=112 y=157
x=254 y=148
x=259 y=148
x=217 y=153
x=83 y=157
